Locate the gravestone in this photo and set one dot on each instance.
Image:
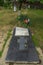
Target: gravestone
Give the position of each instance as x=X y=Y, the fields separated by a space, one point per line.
x=28 y=6
x=21 y=31
x=21 y=48
x=15 y=8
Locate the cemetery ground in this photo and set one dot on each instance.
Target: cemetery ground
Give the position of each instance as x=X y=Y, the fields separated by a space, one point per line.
x=8 y=22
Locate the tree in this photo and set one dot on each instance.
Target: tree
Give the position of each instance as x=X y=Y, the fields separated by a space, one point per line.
x=41 y=1
x=1 y=2
x=7 y=3
x=20 y=4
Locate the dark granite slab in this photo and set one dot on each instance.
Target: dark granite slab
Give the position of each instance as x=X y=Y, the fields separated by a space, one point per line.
x=16 y=53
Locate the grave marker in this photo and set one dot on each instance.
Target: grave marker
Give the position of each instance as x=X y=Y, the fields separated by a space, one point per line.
x=21 y=48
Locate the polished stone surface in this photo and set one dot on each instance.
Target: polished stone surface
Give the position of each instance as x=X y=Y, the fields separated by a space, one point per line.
x=21 y=49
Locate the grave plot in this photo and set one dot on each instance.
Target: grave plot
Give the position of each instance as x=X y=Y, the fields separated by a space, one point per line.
x=21 y=48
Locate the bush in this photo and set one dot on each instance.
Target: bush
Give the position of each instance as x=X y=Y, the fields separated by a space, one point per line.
x=1 y=2
x=21 y=18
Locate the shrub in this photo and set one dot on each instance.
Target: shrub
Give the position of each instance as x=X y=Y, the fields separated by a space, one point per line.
x=21 y=19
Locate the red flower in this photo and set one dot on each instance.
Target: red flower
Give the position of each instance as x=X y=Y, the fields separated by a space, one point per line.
x=26 y=21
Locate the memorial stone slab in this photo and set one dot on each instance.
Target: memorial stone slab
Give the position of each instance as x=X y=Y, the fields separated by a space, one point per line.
x=21 y=47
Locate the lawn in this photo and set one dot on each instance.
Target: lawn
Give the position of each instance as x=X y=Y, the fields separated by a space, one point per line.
x=8 y=18
x=5 y=41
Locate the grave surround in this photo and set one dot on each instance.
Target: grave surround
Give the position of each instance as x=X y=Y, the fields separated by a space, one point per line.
x=20 y=53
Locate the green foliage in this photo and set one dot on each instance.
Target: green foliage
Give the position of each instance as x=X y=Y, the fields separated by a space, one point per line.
x=20 y=0
x=41 y=1
x=7 y=4
x=22 y=17
x=1 y=2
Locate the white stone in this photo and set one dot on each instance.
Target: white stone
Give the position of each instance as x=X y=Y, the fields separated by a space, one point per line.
x=28 y=20
x=28 y=6
x=21 y=31
x=15 y=8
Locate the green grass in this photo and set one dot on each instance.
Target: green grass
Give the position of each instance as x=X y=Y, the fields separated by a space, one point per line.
x=35 y=40
x=8 y=36
x=0 y=53
x=8 y=17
